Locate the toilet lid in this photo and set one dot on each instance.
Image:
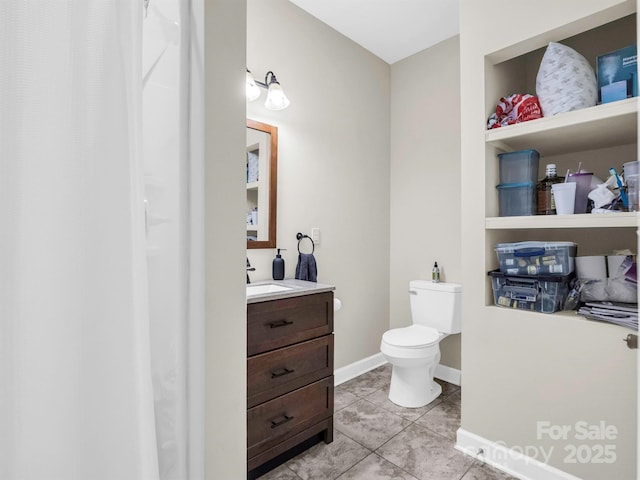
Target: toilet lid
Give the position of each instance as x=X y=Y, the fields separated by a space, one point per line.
x=413 y=336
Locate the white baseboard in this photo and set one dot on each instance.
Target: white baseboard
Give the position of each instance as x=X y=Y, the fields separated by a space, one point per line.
x=355 y=369
x=365 y=365
x=448 y=374
x=512 y=461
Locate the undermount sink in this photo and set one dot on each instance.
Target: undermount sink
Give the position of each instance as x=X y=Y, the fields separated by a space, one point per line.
x=266 y=288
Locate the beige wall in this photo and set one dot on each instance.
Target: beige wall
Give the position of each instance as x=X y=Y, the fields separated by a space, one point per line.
x=425 y=173
x=225 y=406
x=333 y=163
x=522 y=368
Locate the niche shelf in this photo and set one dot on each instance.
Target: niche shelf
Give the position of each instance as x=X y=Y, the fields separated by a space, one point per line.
x=586 y=220
x=600 y=126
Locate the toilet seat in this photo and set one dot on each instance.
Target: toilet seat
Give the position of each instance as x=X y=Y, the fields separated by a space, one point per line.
x=413 y=336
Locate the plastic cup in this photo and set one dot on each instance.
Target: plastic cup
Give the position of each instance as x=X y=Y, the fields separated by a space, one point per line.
x=564 y=195
x=633 y=182
x=631 y=168
x=632 y=179
x=583 y=187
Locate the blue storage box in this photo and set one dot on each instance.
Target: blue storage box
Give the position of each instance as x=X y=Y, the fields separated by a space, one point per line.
x=542 y=293
x=516 y=199
x=520 y=166
x=535 y=258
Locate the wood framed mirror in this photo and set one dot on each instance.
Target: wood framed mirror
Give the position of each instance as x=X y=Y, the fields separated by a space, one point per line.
x=262 y=184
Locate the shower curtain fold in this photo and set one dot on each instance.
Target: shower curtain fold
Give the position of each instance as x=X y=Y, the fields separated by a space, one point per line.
x=76 y=399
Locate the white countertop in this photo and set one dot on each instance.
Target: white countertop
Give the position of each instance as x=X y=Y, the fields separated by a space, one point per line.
x=297 y=288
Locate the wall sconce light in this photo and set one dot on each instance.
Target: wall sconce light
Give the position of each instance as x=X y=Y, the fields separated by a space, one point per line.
x=276 y=99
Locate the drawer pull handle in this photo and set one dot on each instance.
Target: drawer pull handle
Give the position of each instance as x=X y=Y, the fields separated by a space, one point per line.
x=284 y=420
x=282 y=372
x=280 y=323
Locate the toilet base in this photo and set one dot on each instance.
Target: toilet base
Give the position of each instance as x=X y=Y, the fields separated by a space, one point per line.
x=413 y=387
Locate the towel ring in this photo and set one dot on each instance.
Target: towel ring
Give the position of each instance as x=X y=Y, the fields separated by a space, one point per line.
x=301 y=237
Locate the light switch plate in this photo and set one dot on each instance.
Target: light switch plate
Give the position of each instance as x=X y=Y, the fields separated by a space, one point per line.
x=315 y=235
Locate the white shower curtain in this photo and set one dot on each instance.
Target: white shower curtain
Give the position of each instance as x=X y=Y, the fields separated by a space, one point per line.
x=76 y=399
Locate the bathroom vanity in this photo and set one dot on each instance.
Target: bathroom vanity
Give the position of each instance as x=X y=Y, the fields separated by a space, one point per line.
x=289 y=367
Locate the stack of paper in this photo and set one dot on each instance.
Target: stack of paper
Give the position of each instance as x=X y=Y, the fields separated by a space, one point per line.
x=625 y=314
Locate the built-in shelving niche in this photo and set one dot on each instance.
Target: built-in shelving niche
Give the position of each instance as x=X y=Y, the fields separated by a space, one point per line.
x=600 y=137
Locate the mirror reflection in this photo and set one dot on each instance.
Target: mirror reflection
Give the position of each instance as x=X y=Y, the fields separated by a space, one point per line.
x=262 y=176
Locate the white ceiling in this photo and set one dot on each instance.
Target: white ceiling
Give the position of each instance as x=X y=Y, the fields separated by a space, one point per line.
x=390 y=29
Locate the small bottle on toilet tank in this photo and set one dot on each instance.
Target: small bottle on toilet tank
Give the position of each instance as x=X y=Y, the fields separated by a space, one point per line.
x=435 y=273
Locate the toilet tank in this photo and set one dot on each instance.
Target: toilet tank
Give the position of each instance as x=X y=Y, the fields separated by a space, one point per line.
x=436 y=305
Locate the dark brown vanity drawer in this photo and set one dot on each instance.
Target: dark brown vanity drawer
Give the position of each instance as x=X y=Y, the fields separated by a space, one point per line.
x=271 y=422
x=278 y=323
x=280 y=371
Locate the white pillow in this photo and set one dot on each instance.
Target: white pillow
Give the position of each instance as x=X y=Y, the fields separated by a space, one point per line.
x=565 y=81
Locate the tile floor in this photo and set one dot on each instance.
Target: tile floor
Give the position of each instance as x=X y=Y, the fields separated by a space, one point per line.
x=375 y=439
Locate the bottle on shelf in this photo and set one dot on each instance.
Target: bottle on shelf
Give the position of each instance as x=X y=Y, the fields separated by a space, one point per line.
x=546 y=203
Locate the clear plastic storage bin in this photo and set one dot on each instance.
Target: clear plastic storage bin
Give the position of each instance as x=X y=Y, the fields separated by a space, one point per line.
x=519 y=167
x=536 y=258
x=517 y=199
x=542 y=293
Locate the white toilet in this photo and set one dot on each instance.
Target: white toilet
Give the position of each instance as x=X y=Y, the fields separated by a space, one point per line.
x=414 y=351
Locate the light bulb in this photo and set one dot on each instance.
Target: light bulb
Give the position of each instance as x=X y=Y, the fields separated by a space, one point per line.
x=276 y=99
x=253 y=91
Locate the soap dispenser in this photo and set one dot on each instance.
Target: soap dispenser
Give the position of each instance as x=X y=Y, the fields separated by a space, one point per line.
x=278 y=266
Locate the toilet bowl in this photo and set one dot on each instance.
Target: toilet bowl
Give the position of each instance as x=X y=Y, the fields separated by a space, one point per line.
x=414 y=351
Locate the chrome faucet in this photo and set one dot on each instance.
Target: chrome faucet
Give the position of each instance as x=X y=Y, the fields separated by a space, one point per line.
x=249 y=269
